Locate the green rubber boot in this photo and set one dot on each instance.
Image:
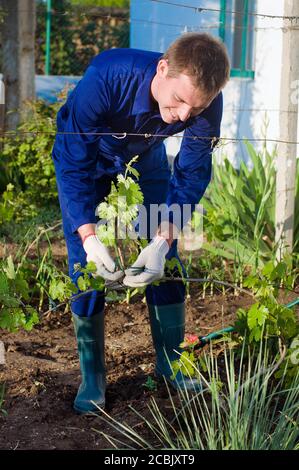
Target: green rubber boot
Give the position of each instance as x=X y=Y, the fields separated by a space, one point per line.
x=90 y=339
x=168 y=330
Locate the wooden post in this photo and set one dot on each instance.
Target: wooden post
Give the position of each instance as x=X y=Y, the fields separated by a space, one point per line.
x=18 y=57
x=286 y=157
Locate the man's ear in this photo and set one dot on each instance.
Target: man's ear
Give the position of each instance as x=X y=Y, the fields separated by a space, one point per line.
x=162 y=68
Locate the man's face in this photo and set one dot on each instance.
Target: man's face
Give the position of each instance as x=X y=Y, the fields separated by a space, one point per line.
x=177 y=98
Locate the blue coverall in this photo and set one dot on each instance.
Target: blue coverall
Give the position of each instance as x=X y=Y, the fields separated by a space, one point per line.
x=114 y=97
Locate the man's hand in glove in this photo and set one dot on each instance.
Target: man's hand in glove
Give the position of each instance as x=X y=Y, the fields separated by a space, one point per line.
x=98 y=253
x=149 y=266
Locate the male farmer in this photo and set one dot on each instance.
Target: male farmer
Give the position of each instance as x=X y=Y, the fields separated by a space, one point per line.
x=136 y=92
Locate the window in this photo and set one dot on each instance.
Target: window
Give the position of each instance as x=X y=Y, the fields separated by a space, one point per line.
x=237 y=32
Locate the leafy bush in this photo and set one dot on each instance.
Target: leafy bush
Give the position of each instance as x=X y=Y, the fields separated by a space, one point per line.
x=79 y=31
x=240 y=207
x=240 y=210
x=15 y=313
x=268 y=317
x=25 y=230
x=27 y=158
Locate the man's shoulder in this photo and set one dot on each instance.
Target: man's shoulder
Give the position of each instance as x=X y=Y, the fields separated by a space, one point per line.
x=117 y=61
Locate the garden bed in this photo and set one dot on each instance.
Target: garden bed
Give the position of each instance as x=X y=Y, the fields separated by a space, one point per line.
x=42 y=373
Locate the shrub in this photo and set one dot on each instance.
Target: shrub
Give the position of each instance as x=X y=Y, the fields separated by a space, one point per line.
x=240 y=210
x=27 y=159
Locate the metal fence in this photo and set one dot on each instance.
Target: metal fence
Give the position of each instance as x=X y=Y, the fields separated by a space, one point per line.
x=68 y=35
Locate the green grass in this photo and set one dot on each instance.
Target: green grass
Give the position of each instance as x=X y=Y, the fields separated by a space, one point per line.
x=242 y=407
x=26 y=229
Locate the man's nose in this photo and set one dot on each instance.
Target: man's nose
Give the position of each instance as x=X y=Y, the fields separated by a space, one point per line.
x=184 y=112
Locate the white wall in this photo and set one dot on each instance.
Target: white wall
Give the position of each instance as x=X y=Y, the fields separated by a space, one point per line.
x=249 y=102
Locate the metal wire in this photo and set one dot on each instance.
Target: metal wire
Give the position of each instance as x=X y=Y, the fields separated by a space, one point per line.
x=122 y=135
x=233 y=12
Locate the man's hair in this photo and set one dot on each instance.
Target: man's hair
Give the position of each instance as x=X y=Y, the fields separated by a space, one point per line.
x=203 y=58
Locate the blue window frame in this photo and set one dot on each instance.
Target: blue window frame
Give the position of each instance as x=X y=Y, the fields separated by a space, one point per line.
x=238 y=33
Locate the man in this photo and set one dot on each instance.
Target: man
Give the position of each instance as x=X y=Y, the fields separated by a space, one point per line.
x=126 y=91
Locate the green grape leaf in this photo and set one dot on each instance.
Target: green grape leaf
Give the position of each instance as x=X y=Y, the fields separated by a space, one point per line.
x=21 y=286
x=57 y=290
x=83 y=283
x=257 y=315
x=31 y=319
x=97 y=283
x=12 y=319
x=91 y=267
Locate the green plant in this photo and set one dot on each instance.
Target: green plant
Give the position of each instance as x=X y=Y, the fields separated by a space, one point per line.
x=26 y=230
x=79 y=31
x=187 y=361
x=118 y=211
x=62 y=288
x=28 y=159
x=150 y=384
x=212 y=266
x=7 y=205
x=268 y=317
x=43 y=271
x=241 y=407
x=24 y=280
x=15 y=312
x=289 y=368
x=240 y=210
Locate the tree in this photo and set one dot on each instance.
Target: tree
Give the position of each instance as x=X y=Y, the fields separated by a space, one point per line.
x=18 y=57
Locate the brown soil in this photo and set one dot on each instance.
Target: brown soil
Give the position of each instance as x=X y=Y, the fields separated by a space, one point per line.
x=42 y=374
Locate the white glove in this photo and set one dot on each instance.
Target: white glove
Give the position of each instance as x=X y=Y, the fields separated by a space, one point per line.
x=149 y=266
x=98 y=253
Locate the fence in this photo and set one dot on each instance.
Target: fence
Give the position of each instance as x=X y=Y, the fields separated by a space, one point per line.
x=68 y=35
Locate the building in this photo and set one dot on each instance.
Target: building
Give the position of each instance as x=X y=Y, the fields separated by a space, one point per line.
x=254 y=42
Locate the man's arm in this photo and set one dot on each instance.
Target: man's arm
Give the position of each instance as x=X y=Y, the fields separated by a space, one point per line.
x=192 y=168
x=193 y=164
x=86 y=230
x=76 y=148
